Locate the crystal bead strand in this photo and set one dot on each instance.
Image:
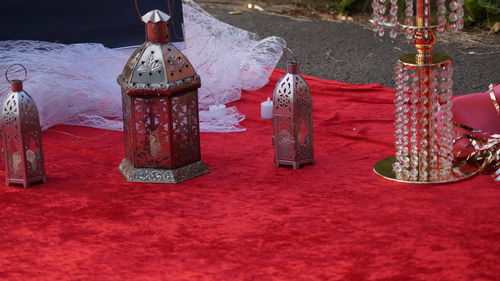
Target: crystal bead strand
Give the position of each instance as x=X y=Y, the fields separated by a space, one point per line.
x=441 y=15
x=453 y=15
x=376 y=16
x=426 y=18
x=405 y=159
x=424 y=143
x=415 y=149
x=382 y=9
x=394 y=19
x=433 y=139
x=414 y=129
x=398 y=124
x=425 y=125
x=409 y=20
x=438 y=86
x=460 y=15
x=445 y=141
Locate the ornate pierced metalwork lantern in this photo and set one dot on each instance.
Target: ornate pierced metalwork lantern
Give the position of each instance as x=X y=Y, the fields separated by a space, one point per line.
x=160 y=110
x=423 y=94
x=292 y=120
x=21 y=136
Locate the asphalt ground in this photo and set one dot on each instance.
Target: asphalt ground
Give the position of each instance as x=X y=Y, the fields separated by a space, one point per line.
x=351 y=52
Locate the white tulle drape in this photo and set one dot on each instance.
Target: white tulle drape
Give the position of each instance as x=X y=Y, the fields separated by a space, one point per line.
x=76 y=84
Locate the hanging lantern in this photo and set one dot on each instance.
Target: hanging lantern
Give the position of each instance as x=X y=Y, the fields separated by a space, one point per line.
x=21 y=136
x=292 y=120
x=160 y=110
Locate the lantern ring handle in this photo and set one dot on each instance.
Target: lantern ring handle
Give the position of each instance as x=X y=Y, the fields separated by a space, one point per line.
x=287 y=50
x=12 y=65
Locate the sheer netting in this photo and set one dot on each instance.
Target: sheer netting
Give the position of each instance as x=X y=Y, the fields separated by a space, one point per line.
x=76 y=84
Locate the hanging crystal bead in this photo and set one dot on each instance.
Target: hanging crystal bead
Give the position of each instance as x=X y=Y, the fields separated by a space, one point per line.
x=393 y=33
x=396 y=167
x=433 y=173
x=381 y=31
x=453 y=5
x=423 y=175
x=406 y=174
x=409 y=33
x=414 y=174
x=453 y=17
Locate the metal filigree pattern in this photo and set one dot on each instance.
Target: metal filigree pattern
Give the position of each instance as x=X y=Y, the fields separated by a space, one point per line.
x=155 y=66
x=185 y=123
x=153 y=175
x=21 y=137
x=283 y=98
x=152 y=134
x=136 y=88
x=128 y=127
x=285 y=138
x=162 y=131
x=292 y=122
x=175 y=62
x=149 y=65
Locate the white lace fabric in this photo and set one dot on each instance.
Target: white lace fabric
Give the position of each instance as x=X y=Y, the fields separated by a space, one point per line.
x=76 y=84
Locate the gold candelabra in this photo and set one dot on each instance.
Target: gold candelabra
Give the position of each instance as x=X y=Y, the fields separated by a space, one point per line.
x=423 y=94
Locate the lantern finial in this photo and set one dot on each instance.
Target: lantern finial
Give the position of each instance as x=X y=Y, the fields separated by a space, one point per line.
x=155 y=16
x=157 y=26
x=293 y=67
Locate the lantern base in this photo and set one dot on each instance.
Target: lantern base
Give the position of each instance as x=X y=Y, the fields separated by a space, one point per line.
x=26 y=183
x=460 y=171
x=294 y=164
x=158 y=175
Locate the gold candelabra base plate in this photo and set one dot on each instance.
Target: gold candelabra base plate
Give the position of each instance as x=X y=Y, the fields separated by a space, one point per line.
x=460 y=171
x=438 y=60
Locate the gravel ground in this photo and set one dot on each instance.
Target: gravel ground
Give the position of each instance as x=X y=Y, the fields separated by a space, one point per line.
x=351 y=52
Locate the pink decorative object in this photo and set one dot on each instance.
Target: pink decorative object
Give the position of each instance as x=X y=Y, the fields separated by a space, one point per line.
x=477 y=124
x=478 y=111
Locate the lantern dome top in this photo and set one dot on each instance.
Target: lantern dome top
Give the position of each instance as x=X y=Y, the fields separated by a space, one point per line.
x=157 y=67
x=155 y=16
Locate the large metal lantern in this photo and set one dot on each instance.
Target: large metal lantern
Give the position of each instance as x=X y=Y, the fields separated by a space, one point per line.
x=292 y=120
x=160 y=110
x=21 y=136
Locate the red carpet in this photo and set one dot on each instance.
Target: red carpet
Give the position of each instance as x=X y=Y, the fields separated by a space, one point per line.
x=247 y=220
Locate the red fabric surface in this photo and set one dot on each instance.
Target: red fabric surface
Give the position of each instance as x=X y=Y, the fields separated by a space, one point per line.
x=247 y=220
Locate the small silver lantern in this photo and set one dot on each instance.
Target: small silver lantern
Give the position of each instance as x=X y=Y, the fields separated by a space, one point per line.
x=160 y=110
x=21 y=135
x=292 y=120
